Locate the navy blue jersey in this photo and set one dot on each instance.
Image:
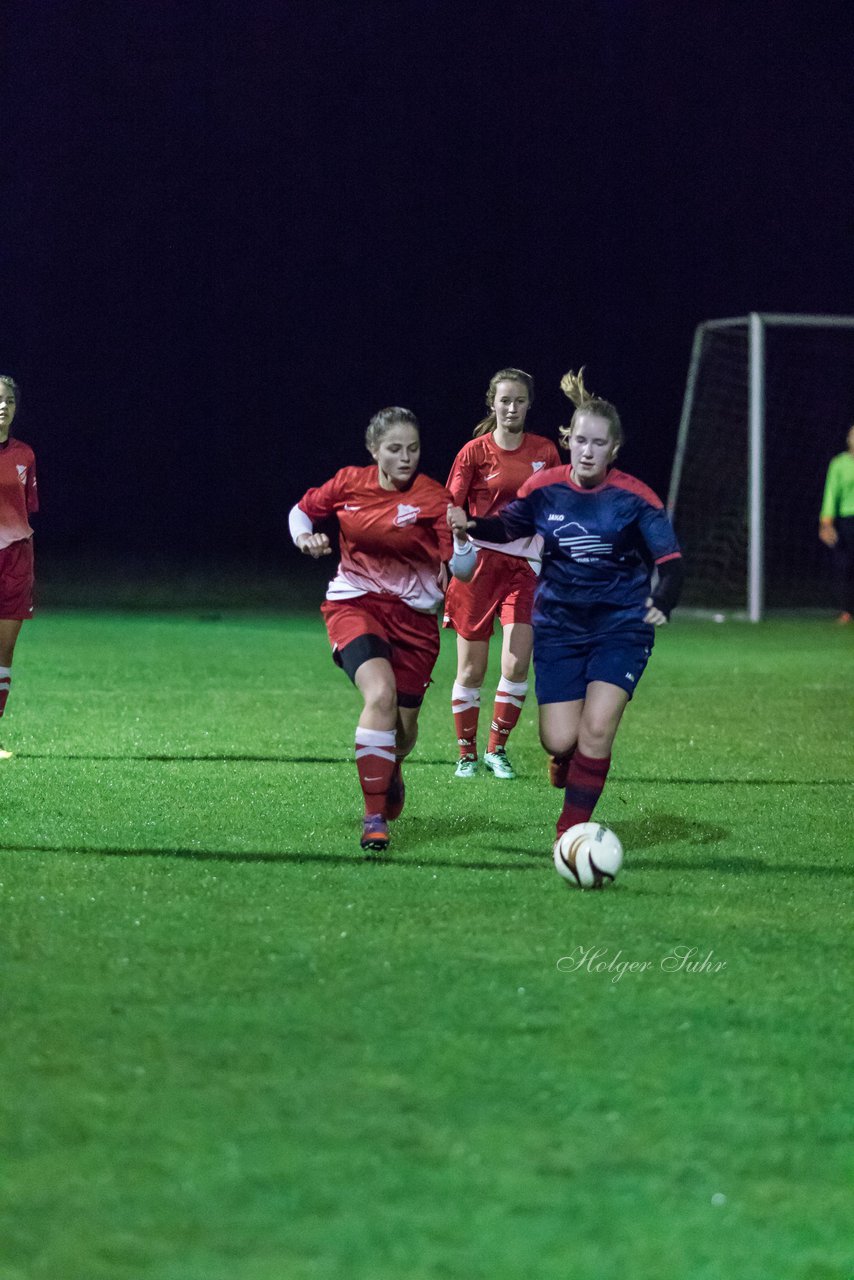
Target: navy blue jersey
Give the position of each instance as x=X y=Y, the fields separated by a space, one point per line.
x=599 y=548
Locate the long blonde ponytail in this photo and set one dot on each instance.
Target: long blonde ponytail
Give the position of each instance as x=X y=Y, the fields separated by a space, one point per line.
x=572 y=386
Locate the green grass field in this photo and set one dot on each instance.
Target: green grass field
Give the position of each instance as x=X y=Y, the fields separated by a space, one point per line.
x=236 y=1049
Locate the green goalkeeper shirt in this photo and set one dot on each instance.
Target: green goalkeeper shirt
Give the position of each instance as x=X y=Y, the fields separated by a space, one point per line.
x=839 y=488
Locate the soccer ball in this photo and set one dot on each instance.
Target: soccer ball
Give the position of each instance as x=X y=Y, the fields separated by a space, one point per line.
x=588 y=855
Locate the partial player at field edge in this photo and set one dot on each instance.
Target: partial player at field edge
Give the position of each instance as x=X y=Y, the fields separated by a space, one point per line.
x=18 y=501
x=836 y=527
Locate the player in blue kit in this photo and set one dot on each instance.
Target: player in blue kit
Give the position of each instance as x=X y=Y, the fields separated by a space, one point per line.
x=595 y=609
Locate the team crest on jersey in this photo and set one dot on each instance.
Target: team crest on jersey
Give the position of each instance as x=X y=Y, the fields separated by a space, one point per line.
x=406 y=514
x=583 y=546
x=537 y=466
x=22 y=472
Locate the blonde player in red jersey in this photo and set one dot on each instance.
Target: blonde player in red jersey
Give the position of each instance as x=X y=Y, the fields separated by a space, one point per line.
x=18 y=500
x=486 y=474
x=380 y=608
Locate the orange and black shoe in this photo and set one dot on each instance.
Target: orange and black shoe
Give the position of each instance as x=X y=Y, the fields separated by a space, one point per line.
x=374 y=832
x=395 y=797
x=558 y=769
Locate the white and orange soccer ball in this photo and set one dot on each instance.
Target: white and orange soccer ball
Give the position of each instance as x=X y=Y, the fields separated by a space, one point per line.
x=588 y=855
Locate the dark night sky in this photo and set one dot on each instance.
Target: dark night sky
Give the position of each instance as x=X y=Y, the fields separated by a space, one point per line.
x=232 y=231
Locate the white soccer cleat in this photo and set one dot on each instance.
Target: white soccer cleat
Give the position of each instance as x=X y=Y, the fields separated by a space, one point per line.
x=498 y=764
x=466 y=767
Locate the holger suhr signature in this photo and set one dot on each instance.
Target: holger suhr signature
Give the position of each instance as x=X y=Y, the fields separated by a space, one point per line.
x=679 y=959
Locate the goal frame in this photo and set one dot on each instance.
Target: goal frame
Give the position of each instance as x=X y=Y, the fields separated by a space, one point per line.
x=756 y=324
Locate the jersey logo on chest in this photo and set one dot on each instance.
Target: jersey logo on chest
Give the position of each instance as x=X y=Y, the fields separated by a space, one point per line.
x=581 y=545
x=406 y=514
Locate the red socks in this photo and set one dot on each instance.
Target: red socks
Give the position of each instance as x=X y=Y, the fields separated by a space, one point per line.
x=465 y=704
x=376 y=762
x=509 y=698
x=584 y=785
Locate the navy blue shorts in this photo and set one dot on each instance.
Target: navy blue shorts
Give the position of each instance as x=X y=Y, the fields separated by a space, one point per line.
x=564 y=666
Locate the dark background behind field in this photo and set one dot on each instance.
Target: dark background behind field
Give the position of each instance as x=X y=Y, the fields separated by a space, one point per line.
x=231 y=232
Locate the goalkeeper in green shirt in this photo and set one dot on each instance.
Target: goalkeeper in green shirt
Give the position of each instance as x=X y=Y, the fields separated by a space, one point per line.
x=836 y=526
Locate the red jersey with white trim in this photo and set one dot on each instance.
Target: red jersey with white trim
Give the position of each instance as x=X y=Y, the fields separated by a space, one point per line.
x=18 y=491
x=485 y=477
x=393 y=541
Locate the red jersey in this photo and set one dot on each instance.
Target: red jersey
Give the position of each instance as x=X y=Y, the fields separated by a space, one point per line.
x=393 y=541
x=485 y=477
x=18 y=491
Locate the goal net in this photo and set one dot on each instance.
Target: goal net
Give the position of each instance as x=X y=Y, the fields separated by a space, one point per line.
x=768 y=402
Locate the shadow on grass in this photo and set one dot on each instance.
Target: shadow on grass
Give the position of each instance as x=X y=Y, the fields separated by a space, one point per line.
x=668 y=828
x=650 y=833
x=356 y=858
x=444 y=763
x=535 y=860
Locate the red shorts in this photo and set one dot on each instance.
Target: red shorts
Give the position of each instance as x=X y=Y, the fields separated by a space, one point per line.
x=410 y=639
x=16 y=580
x=502 y=587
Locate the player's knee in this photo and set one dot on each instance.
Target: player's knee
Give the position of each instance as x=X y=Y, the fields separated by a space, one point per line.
x=381 y=698
x=597 y=738
x=470 y=674
x=557 y=742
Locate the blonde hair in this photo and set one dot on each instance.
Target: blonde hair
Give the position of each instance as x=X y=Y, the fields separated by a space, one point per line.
x=488 y=424
x=572 y=386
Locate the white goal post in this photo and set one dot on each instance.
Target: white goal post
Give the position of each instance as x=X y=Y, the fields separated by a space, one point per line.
x=740 y=369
